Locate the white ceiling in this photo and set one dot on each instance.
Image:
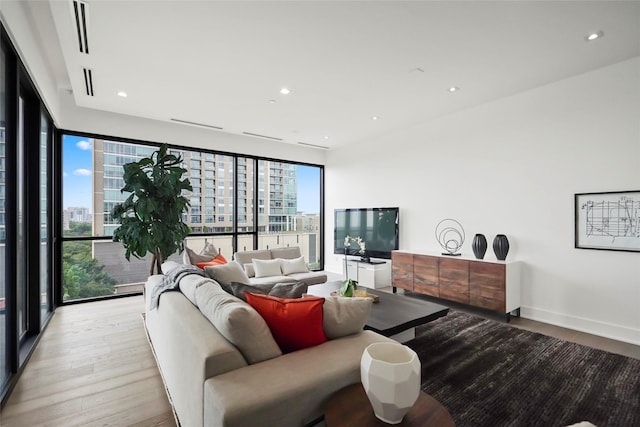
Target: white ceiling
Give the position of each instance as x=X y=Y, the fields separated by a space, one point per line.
x=221 y=62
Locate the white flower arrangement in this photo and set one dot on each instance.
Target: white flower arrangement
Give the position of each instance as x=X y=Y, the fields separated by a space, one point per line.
x=361 y=245
x=349 y=285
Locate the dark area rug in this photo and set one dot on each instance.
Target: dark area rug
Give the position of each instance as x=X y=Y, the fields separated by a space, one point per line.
x=491 y=374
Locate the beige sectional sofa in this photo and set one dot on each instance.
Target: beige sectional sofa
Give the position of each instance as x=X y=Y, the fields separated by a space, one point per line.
x=210 y=381
x=281 y=265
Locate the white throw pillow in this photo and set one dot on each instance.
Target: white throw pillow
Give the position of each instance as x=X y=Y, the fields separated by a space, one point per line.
x=267 y=268
x=248 y=268
x=227 y=273
x=345 y=316
x=296 y=265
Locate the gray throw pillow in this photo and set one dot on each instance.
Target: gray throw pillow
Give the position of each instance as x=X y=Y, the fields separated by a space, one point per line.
x=238 y=322
x=238 y=289
x=344 y=316
x=288 y=290
x=227 y=273
x=280 y=290
x=207 y=253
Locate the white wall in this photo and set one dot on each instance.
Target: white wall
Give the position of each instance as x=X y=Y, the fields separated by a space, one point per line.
x=20 y=27
x=513 y=166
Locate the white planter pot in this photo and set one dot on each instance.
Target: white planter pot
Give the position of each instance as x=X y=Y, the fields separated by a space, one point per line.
x=390 y=374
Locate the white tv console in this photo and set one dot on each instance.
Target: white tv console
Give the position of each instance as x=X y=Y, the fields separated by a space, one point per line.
x=371 y=274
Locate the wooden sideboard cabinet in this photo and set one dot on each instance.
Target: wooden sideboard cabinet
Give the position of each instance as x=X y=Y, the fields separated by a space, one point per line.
x=402 y=270
x=492 y=285
x=425 y=275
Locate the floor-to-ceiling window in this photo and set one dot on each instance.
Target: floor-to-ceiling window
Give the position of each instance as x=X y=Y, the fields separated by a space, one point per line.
x=289 y=208
x=4 y=368
x=21 y=243
x=25 y=195
x=226 y=193
x=45 y=229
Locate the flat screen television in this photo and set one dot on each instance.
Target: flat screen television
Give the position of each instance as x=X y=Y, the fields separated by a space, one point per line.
x=377 y=227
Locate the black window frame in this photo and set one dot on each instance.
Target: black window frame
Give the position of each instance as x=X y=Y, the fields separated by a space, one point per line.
x=59 y=237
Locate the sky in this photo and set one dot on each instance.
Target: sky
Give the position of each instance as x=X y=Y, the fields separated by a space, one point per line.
x=77 y=187
x=308 y=187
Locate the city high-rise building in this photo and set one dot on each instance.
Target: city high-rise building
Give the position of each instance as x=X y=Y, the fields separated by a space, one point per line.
x=212 y=207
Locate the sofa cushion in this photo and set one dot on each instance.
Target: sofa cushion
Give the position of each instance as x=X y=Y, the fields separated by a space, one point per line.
x=238 y=322
x=286 y=253
x=218 y=260
x=280 y=290
x=267 y=268
x=227 y=273
x=190 y=282
x=294 y=323
x=345 y=316
x=295 y=265
x=310 y=278
x=272 y=280
x=206 y=254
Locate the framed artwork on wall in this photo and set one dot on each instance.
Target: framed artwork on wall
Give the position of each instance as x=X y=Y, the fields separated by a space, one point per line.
x=608 y=220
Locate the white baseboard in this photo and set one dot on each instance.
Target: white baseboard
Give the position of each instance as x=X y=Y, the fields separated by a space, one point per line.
x=583 y=324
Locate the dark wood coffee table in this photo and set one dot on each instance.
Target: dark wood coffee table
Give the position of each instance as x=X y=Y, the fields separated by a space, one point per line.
x=350 y=407
x=393 y=314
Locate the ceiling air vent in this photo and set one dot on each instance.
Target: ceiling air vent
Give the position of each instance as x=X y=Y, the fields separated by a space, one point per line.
x=81 y=10
x=262 y=136
x=196 y=124
x=88 y=81
x=313 y=145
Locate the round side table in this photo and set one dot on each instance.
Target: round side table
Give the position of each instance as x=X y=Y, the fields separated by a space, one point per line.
x=350 y=407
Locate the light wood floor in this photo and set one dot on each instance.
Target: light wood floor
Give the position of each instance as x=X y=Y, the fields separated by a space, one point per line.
x=94 y=366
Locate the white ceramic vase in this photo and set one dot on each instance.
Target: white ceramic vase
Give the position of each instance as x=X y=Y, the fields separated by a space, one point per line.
x=390 y=374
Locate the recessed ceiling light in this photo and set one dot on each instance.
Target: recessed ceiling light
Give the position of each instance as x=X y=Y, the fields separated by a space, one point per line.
x=285 y=91
x=326 y=137
x=375 y=118
x=453 y=89
x=272 y=101
x=122 y=94
x=593 y=36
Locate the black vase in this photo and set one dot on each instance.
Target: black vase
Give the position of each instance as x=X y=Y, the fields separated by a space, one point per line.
x=479 y=245
x=501 y=246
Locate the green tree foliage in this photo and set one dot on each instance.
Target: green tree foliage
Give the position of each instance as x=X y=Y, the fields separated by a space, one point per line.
x=78 y=229
x=151 y=217
x=84 y=277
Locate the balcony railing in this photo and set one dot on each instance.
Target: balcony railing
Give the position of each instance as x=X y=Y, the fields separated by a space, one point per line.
x=98 y=268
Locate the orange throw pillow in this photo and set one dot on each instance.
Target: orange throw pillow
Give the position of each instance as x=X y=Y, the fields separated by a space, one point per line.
x=294 y=323
x=218 y=260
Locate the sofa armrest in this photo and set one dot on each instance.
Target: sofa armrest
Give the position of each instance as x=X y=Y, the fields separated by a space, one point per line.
x=288 y=390
x=188 y=350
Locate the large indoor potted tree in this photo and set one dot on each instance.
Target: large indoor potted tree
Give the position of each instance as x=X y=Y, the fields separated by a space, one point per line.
x=151 y=217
